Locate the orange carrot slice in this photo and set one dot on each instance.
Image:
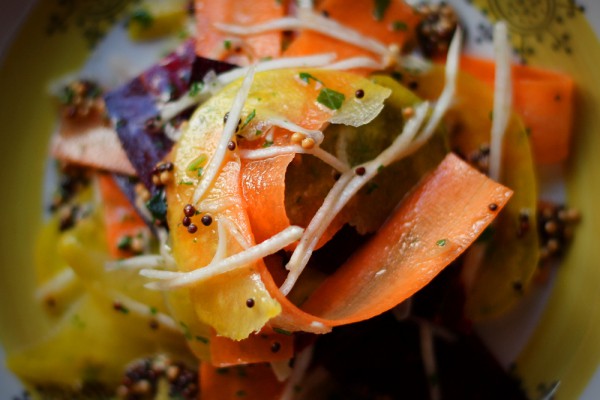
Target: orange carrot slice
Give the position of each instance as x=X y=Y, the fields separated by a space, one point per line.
x=211 y=43
x=282 y=94
x=123 y=224
x=263 y=188
x=441 y=217
x=395 y=27
x=544 y=100
x=265 y=346
x=250 y=382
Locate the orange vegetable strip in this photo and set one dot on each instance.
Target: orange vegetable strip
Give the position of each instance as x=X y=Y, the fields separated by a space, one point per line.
x=263 y=189
x=211 y=43
x=120 y=218
x=441 y=217
x=544 y=100
x=265 y=346
x=249 y=382
x=396 y=27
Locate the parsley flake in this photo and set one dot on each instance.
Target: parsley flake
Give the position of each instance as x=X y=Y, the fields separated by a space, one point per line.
x=381 y=7
x=331 y=99
x=399 y=26
x=306 y=77
x=249 y=118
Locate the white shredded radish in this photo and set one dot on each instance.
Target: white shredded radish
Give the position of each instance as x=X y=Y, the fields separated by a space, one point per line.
x=301 y=364
x=445 y=100
x=341 y=193
x=144 y=311
x=234 y=231
x=214 y=165
x=502 y=98
x=313 y=61
x=355 y=62
x=428 y=356
x=57 y=284
x=316 y=135
x=261 y=154
x=150 y=261
x=245 y=257
x=315 y=22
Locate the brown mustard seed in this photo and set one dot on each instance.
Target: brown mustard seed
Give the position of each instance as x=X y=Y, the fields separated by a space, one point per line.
x=231 y=145
x=360 y=171
x=206 y=220
x=275 y=347
x=189 y=210
x=308 y=143
x=359 y=94
x=186 y=221
x=297 y=138
x=493 y=206
x=250 y=303
x=192 y=228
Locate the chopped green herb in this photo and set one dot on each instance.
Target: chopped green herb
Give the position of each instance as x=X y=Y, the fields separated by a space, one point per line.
x=380 y=168
x=282 y=331
x=381 y=7
x=491 y=115
x=249 y=118
x=124 y=242
x=121 y=308
x=399 y=26
x=195 y=88
x=188 y=183
x=157 y=205
x=227 y=44
x=331 y=99
x=66 y=95
x=258 y=132
x=186 y=330
x=200 y=171
x=153 y=310
x=267 y=143
x=142 y=17
x=441 y=242
x=306 y=77
x=371 y=187
x=197 y=162
x=201 y=339
x=267 y=58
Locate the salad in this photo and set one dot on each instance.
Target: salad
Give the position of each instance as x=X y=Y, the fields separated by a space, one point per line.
x=296 y=202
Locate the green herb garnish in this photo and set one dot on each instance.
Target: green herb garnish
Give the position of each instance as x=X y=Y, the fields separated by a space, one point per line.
x=142 y=17
x=195 y=88
x=441 y=242
x=157 y=205
x=381 y=7
x=306 y=77
x=249 y=118
x=331 y=99
x=399 y=26
x=282 y=331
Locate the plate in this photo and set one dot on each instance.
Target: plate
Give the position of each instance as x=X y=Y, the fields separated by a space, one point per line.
x=559 y=325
